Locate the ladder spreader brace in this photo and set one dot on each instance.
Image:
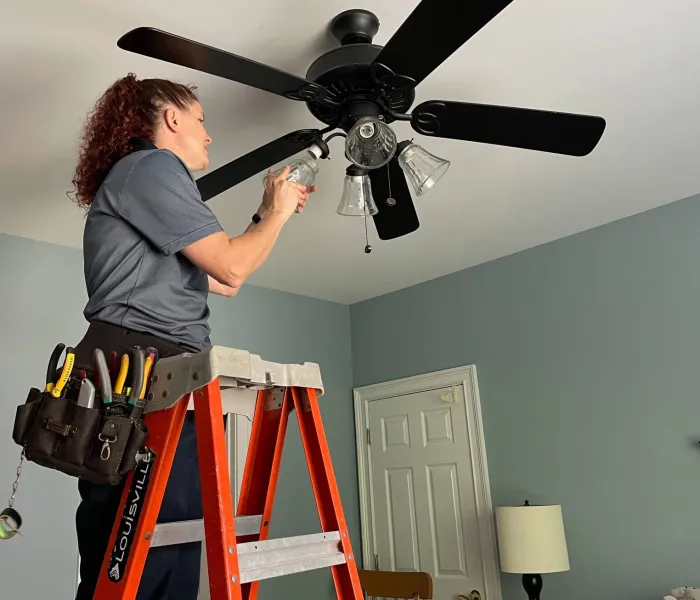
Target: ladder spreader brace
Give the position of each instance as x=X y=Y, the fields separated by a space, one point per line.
x=239 y=553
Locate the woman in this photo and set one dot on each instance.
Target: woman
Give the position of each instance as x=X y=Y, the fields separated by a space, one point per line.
x=153 y=250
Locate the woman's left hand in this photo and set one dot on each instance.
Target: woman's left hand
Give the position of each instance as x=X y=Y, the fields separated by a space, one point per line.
x=302 y=204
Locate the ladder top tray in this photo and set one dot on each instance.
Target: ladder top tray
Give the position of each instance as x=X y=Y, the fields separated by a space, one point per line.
x=177 y=376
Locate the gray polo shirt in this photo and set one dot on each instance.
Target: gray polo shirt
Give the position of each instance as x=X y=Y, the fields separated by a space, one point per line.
x=146 y=211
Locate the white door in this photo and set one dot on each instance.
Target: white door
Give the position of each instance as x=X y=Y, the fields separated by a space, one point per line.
x=427 y=503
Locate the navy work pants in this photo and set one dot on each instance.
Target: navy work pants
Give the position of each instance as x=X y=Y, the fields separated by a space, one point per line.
x=171 y=572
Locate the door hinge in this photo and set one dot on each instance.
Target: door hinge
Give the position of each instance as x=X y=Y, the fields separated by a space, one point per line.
x=369 y=437
x=376 y=562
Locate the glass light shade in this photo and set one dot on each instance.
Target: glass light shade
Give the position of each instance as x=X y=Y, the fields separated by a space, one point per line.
x=356 y=200
x=422 y=168
x=370 y=143
x=302 y=170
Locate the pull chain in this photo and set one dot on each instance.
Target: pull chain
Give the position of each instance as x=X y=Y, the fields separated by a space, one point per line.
x=390 y=200
x=368 y=248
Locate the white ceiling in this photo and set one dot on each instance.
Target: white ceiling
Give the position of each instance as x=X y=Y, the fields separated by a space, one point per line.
x=634 y=63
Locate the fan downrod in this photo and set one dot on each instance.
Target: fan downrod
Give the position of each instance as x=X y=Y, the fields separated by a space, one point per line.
x=355 y=26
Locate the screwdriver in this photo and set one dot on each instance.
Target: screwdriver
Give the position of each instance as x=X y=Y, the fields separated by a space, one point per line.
x=113 y=364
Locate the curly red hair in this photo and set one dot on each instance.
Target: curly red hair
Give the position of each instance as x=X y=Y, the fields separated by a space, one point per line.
x=128 y=109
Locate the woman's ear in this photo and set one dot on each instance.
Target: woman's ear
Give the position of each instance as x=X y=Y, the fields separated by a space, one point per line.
x=170 y=117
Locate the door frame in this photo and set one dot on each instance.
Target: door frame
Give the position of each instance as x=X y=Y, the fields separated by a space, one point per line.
x=465 y=377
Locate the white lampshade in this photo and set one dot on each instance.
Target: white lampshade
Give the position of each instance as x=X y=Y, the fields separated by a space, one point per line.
x=531 y=539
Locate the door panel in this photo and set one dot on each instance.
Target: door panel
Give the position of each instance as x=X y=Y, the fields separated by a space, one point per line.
x=437 y=426
x=402 y=515
x=446 y=522
x=422 y=485
x=395 y=432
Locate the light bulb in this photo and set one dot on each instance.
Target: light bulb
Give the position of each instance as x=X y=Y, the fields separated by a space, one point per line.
x=370 y=143
x=422 y=168
x=356 y=199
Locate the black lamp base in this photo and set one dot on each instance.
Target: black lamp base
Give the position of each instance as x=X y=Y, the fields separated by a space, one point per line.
x=533 y=586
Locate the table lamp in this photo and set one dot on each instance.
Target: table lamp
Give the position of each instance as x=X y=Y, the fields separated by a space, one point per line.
x=531 y=541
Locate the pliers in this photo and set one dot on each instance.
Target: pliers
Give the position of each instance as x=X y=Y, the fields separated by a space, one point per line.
x=151 y=358
x=121 y=376
x=55 y=389
x=103 y=375
x=137 y=373
x=138 y=401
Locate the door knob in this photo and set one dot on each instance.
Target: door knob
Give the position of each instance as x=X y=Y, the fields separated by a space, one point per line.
x=474 y=595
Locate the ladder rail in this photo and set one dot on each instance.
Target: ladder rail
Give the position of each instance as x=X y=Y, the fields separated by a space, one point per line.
x=217 y=502
x=128 y=546
x=261 y=471
x=326 y=493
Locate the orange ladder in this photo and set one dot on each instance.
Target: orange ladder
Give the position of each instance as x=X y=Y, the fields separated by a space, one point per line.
x=239 y=553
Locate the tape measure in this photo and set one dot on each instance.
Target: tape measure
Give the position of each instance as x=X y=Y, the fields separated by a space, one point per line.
x=10 y=522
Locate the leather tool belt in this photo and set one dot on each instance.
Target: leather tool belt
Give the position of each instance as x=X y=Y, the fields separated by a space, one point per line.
x=88 y=423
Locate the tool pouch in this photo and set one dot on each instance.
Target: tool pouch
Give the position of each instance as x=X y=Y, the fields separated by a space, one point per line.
x=78 y=441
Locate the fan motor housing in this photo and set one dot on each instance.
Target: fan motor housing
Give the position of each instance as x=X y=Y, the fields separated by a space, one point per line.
x=346 y=72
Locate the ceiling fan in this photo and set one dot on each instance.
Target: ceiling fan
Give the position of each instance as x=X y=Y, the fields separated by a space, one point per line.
x=363 y=84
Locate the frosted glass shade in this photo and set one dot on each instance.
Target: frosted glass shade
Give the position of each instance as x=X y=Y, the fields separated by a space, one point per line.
x=531 y=539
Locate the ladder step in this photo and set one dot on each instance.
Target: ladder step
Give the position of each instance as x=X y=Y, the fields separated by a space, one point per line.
x=284 y=556
x=182 y=532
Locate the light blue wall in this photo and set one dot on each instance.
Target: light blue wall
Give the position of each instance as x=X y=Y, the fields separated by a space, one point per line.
x=41 y=300
x=587 y=352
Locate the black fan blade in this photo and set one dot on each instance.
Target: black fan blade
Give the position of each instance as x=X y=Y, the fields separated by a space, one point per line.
x=561 y=133
x=394 y=219
x=171 y=48
x=431 y=33
x=258 y=160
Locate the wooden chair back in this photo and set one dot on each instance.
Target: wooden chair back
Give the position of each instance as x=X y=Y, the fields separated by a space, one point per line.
x=397 y=584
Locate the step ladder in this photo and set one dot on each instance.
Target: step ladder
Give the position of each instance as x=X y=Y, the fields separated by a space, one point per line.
x=239 y=553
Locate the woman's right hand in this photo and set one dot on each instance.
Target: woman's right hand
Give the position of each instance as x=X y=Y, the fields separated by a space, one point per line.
x=282 y=196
